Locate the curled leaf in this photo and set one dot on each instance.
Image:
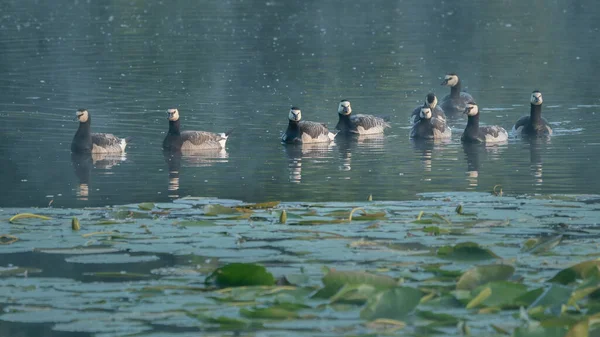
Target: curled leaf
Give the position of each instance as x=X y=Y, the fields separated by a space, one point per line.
x=27 y=216
x=75 y=224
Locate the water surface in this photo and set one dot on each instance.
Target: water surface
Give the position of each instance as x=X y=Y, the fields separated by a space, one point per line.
x=244 y=63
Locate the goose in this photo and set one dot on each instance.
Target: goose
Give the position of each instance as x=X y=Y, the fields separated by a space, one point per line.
x=302 y=132
x=177 y=140
x=428 y=126
x=85 y=141
x=456 y=101
x=431 y=101
x=484 y=134
x=534 y=124
x=358 y=124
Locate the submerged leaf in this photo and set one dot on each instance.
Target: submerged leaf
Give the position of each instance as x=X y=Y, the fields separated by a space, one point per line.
x=241 y=274
x=480 y=275
x=466 y=251
x=393 y=303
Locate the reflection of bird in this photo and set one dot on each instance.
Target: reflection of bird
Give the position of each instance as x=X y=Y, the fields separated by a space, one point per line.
x=299 y=131
x=297 y=152
x=456 y=102
x=431 y=102
x=425 y=147
x=177 y=140
x=82 y=165
x=472 y=156
x=481 y=134
x=535 y=160
x=85 y=141
x=190 y=158
x=348 y=143
x=84 y=162
x=358 y=124
x=533 y=125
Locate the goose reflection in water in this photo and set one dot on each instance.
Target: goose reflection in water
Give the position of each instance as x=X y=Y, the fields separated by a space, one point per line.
x=190 y=158
x=84 y=162
x=472 y=152
x=347 y=144
x=535 y=159
x=296 y=153
x=472 y=155
x=425 y=148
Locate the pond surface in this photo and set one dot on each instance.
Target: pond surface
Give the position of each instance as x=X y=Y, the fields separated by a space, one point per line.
x=142 y=270
x=244 y=63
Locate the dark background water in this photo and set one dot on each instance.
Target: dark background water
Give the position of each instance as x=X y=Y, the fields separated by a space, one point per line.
x=244 y=63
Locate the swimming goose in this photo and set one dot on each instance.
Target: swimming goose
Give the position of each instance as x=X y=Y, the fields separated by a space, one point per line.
x=428 y=126
x=484 y=134
x=305 y=131
x=534 y=124
x=431 y=101
x=177 y=140
x=358 y=124
x=457 y=101
x=86 y=142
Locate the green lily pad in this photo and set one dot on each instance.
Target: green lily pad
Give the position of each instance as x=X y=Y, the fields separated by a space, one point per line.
x=466 y=251
x=541 y=245
x=480 y=275
x=334 y=281
x=241 y=274
x=577 y=272
x=395 y=303
x=146 y=206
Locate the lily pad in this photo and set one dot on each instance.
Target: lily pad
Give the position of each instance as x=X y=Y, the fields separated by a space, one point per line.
x=395 y=303
x=241 y=274
x=480 y=275
x=577 y=272
x=466 y=251
x=334 y=280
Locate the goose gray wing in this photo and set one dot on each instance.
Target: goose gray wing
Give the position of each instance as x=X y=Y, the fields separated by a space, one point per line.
x=521 y=122
x=105 y=140
x=199 y=138
x=369 y=121
x=415 y=115
x=313 y=129
x=439 y=124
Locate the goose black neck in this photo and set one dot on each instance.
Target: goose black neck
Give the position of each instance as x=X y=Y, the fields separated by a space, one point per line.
x=174 y=127
x=473 y=123
x=293 y=125
x=536 y=113
x=84 y=128
x=455 y=90
x=345 y=119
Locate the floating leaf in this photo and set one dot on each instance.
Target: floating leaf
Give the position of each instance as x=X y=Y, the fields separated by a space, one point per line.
x=386 y=325
x=553 y=298
x=75 y=224
x=283 y=217
x=241 y=274
x=12 y=271
x=435 y=230
x=354 y=294
x=541 y=245
x=480 y=275
x=577 y=272
x=262 y=205
x=7 y=239
x=146 y=206
x=466 y=251
x=482 y=296
x=27 y=216
x=580 y=329
x=196 y=223
x=228 y=322
x=438 y=319
x=127 y=214
x=503 y=294
x=393 y=303
x=274 y=312
x=216 y=209
x=334 y=281
x=538 y=331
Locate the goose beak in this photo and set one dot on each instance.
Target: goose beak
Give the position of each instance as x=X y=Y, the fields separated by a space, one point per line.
x=76 y=119
x=444 y=82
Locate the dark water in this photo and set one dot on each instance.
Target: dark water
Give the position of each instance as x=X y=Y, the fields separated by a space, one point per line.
x=243 y=63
